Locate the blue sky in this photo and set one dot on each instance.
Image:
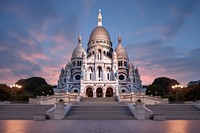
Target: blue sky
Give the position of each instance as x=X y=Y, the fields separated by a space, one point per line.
x=161 y=37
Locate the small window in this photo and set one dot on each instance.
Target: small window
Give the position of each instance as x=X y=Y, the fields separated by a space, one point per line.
x=75 y=91
x=123 y=91
x=108 y=76
x=74 y=63
x=125 y=63
x=121 y=77
x=90 y=76
x=77 y=77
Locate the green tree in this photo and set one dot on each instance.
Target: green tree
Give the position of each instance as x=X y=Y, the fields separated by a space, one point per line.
x=165 y=83
x=4 y=92
x=192 y=93
x=154 y=90
x=31 y=84
x=44 y=90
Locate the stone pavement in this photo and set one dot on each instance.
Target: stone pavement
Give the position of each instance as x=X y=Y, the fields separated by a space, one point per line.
x=99 y=126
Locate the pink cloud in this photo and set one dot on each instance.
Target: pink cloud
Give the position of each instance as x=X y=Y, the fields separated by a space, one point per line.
x=149 y=73
x=50 y=74
x=61 y=43
x=21 y=39
x=39 y=36
x=33 y=57
x=9 y=77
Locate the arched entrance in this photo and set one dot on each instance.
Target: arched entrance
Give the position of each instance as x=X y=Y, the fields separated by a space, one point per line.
x=89 y=92
x=109 y=92
x=99 y=92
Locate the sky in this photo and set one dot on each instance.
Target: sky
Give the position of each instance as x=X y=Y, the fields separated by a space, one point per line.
x=37 y=37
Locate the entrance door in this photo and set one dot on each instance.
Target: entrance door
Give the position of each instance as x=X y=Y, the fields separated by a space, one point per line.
x=99 y=92
x=109 y=92
x=89 y=92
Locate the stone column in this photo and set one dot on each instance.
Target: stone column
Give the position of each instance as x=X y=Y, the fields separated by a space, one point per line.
x=59 y=111
x=140 y=111
x=104 y=92
x=94 y=93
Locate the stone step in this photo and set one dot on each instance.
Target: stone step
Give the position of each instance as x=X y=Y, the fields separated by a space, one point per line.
x=176 y=111
x=101 y=110
x=91 y=108
x=22 y=111
x=107 y=99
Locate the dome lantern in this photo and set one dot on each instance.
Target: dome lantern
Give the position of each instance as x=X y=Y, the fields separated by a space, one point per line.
x=120 y=50
x=78 y=51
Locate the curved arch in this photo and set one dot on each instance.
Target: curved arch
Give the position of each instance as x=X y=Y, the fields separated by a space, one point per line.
x=99 y=92
x=89 y=92
x=99 y=69
x=74 y=90
x=109 y=92
x=124 y=90
x=90 y=69
x=108 y=69
x=76 y=76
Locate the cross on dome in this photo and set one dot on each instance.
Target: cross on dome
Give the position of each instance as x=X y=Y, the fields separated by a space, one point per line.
x=99 y=18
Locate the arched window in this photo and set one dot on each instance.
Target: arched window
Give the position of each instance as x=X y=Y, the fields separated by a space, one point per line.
x=90 y=73
x=99 y=54
x=125 y=64
x=108 y=76
x=90 y=76
x=108 y=73
x=123 y=91
x=99 y=72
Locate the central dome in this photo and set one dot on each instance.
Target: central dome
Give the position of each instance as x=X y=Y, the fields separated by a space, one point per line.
x=99 y=33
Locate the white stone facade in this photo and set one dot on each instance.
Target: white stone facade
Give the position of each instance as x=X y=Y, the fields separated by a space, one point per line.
x=99 y=71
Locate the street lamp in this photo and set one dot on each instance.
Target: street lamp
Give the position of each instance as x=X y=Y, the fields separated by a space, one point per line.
x=16 y=86
x=177 y=87
x=16 y=90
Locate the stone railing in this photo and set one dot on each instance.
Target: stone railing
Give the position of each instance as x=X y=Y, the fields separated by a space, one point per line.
x=139 y=111
x=66 y=97
x=124 y=97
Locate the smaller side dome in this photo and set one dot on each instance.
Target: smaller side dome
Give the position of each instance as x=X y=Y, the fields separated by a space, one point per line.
x=78 y=51
x=114 y=55
x=120 y=50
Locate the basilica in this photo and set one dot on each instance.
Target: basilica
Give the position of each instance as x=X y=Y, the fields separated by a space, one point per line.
x=100 y=71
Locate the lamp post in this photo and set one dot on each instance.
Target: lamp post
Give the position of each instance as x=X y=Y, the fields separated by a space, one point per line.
x=16 y=89
x=177 y=87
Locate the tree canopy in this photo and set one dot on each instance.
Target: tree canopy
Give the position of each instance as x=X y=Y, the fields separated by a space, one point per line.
x=32 y=83
x=154 y=90
x=44 y=90
x=4 y=92
x=165 y=83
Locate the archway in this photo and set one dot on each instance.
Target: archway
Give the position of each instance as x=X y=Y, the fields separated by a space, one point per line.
x=89 y=92
x=109 y=92
x=99 y=92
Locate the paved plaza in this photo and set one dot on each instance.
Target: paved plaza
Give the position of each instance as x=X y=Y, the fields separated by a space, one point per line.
x=99 y=126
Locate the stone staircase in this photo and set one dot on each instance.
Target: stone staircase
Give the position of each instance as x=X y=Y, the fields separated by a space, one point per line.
x=99 y=109
x=176 y=111
x=22 y=111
